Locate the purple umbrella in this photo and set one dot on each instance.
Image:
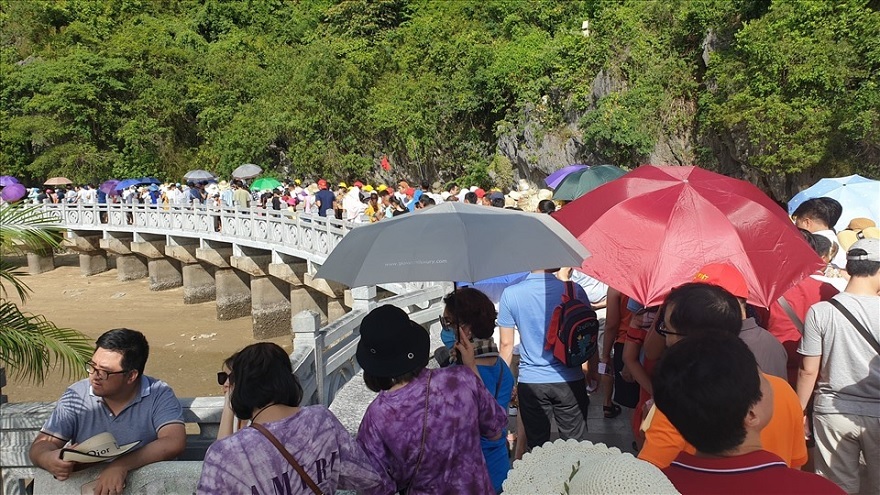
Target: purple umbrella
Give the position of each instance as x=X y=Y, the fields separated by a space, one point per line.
x=13 y=192
x=108 y=186
x=7 y=180
x=555 y=178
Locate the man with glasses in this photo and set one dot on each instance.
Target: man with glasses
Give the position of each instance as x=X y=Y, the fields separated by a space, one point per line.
x=117 y=398
x=697 y=309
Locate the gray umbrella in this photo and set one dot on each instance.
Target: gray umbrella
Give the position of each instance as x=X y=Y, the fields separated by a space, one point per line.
x=452 y=241
x=199 y=175
x=247 y=171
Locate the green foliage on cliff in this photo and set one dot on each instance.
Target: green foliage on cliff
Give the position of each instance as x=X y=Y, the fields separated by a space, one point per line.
x=93 y=89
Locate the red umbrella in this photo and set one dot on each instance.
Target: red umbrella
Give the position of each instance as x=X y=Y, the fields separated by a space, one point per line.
x=655 y=227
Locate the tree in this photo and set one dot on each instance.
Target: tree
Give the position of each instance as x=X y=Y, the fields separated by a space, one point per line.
x=30 y=345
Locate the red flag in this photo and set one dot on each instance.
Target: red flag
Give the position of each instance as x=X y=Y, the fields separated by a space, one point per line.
x=386 y=165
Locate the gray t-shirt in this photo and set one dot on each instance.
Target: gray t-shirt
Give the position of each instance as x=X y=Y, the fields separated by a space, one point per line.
x=849 y=374
x=768 y=351
x=80 y=415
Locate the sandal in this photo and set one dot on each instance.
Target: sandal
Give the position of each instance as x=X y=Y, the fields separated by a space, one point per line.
x=611 y=411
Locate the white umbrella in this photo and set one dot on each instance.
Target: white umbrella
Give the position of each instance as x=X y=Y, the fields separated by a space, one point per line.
x=247 y=171
x=452 y=241
x=199 y=175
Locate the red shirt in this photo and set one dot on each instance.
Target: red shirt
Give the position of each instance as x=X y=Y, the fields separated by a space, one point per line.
x=758 y=472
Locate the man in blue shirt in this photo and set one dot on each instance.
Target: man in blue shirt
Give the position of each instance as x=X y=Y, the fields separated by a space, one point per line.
x=324 y=198
x=119 y=399
x=546 y=385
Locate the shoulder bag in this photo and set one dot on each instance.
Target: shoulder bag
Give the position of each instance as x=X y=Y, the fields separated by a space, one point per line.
x=856 y=323
x=299 y=469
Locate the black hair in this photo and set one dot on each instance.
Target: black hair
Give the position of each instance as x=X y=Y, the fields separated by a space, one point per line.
x=861 y=268
x=834 y=210
x=130 y=343
x=810 y=239
x=546 y=206
x=383 y=193
x=706 y=386
x=823 y=245
x=698 y=308
x=379 y=383
x=262 y=375
x=472 y=307
x=815 y=209
x=471 y=198
x=498 y=202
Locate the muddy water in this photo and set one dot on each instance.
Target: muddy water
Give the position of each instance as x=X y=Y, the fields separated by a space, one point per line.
x=187 y=342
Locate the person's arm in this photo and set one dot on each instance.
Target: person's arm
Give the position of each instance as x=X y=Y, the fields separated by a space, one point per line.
x=634 y=366
x=806 y=380
x=612 y=324
x=227 y=419
x=506 y=348
x=170 y=443
x=45 y=453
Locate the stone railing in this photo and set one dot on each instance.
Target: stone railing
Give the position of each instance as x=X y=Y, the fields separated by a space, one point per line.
x=302 y=235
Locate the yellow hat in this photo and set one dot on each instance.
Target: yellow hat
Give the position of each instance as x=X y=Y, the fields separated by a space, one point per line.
x=368 y=188
x=343 y=184
x=381 y=187
x=297 y=181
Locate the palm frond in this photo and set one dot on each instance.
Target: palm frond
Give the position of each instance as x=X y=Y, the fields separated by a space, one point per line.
x=11 y=274
x=27 y=227
x=31 y=346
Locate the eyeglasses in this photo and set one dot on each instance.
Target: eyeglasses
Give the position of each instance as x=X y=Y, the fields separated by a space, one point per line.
x=661 y=325
x=222 y=376
x=101 y=374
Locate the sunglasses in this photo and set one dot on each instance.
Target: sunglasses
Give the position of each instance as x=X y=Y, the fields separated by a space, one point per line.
x=222 y=376
x=661 y=324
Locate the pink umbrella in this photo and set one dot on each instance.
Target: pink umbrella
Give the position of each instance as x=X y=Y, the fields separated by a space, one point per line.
x=13 y=193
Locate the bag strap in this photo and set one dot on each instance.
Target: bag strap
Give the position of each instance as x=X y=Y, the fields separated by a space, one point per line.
x=569 y=290
x=791 y=314
x=424 y=434
x=856 y=323
x=299 y=469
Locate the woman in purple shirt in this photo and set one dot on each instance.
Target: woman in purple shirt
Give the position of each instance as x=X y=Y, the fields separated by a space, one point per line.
x=422 y=432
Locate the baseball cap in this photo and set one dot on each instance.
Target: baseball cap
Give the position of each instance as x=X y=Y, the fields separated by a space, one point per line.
x=871 y=248
x=322 y=184
x=480 y=193
x=725 y=276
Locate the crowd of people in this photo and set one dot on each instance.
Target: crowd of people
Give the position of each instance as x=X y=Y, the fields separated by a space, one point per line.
x=726 y=397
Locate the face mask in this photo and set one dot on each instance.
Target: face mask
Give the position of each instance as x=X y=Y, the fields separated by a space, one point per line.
x=447 y=335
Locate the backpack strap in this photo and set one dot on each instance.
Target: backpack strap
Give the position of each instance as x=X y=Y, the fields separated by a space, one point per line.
x=856 y=323
x=791 y=314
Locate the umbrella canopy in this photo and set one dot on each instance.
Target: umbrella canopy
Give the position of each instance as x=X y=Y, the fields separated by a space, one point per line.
x=13 y=192
x=57 y=181
x=199 y=175
x=578 y=183
x=7 y=180
x=555 y=178
x=858 y=196
x=450 y=241
x=655 y=227
x=149 y=180
x=264 y=184
x=125 y=183
x=108 y=186
x=247 y=171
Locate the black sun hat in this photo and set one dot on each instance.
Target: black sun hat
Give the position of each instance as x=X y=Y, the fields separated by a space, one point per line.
x=391 y=344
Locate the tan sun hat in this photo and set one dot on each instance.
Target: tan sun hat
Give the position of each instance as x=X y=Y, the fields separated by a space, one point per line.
x=587 y=468
x=100 y=447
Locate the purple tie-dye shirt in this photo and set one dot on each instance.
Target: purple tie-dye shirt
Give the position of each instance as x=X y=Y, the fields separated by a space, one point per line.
x=247 y=462
x=460 y=409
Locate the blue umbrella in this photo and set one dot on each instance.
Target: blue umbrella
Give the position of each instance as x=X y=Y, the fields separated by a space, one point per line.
x=555 y=178
x=858 y=195
x=126 y=183
x=149 y=180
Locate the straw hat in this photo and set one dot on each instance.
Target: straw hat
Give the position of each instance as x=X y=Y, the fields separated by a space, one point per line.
x=587 y=468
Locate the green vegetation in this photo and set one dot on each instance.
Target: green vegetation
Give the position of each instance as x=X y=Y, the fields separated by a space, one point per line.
x=30 y=345
x=99 y=88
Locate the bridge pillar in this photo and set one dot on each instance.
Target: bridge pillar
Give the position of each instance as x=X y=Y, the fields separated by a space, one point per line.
x=130 y=267
x=270 y=307
x=304 y=298
x=335 y=309
x=198 y=283
x=233 y=294
x=164 y=274
x=92 y=263
x=40 y=263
